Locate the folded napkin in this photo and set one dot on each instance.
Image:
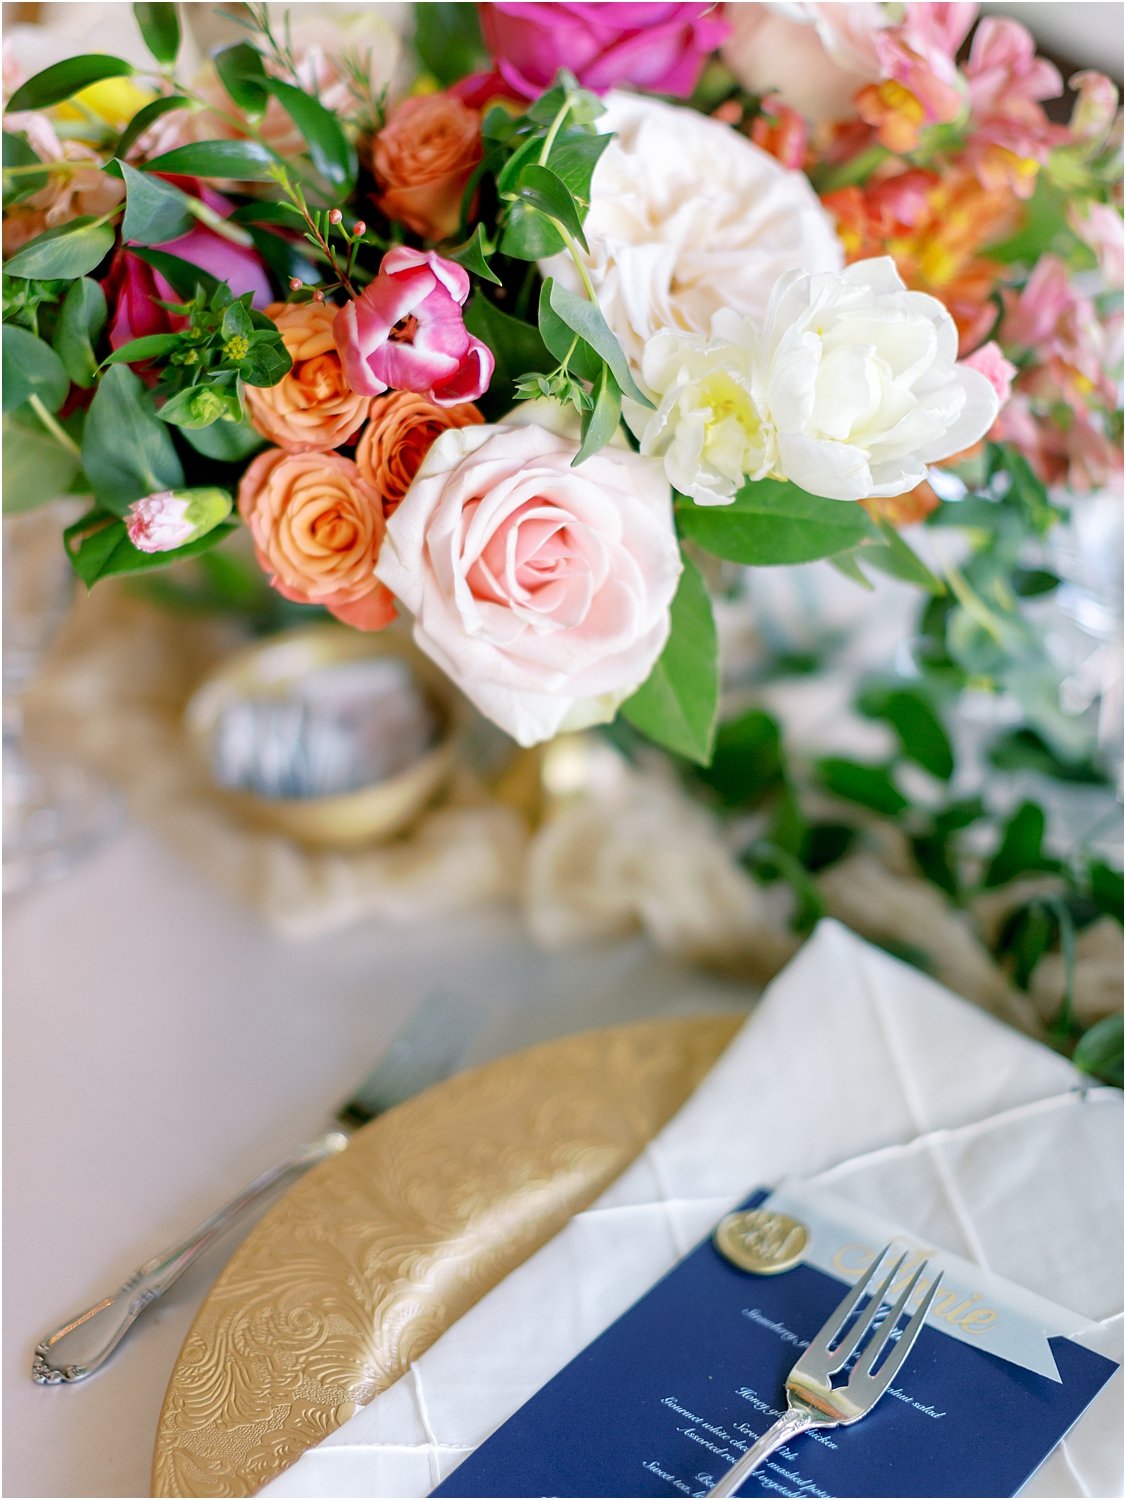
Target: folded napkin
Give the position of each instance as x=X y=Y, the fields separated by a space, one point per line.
x=853 y=1070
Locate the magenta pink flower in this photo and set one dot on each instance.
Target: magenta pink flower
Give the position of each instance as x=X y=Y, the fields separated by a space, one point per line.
x=406 y=332
x=660 y=48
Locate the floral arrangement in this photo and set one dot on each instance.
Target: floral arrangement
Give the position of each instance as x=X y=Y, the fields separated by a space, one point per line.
x=525 y=331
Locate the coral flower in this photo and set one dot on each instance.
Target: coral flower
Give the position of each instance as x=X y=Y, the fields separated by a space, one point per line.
x=406 y=332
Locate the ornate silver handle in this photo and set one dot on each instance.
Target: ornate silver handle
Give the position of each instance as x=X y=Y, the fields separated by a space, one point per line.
x=84 y=1343
x=788 y=1426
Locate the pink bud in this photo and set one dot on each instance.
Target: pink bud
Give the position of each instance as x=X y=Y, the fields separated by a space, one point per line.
x=335 y=216
x=172 y=518
x=318 y=296
x=359 y=229
x=295 y=284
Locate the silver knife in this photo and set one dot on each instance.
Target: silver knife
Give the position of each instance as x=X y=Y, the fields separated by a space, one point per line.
x=426 y=1051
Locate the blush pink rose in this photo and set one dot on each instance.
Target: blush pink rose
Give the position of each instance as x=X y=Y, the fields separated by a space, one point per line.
x=813 y=57
x=405 y=332
x=658 y=48
x=541 y=589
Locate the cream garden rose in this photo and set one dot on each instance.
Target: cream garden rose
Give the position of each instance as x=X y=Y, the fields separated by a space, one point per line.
x=542 y=590
x=849 y=388
x=687 y=217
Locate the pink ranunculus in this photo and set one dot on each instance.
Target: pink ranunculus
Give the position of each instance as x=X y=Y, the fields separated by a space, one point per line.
x=814 y=57
x=990 y=362
x=406 y=332
x=660 y=48
x=133 y=288
x=543 y=590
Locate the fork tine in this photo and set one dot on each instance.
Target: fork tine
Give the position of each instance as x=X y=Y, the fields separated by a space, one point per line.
x=840 y=1356
x=902 y=1349
x=872 y=1350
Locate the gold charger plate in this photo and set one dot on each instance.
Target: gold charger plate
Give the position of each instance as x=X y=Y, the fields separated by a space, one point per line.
x=372 y=1255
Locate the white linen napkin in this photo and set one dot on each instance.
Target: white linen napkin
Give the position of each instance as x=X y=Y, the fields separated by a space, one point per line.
x=853 y=1070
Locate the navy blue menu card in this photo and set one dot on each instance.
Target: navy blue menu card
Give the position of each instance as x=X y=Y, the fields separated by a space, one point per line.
x=674 y=1392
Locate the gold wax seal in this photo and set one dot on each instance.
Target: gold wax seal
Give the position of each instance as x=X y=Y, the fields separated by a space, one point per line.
x=761 y=1241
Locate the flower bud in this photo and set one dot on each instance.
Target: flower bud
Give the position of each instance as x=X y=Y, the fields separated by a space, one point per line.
x=295 y=284
x=173 y=518
x=318 y=296
x=335 y=216
x=359 y=229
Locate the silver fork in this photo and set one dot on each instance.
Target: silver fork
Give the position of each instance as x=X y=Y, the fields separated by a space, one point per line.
x=427 y=1050
x=811 y=1399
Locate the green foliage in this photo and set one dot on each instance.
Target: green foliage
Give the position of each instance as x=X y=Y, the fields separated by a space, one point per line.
x=67 y=251
x=244 y=77
x=474 y=256
x=64 y=79
x=145 y=117
x=160 y=28
x=37 y=468
x=771 y=523
x=244 y=161
x=155 y=210
x=329 y=149
x=1099 y=1051
x=21 y=177
x=518 y=347
x=1021 y=848
x=31 y=369
x=869 y=786
x=447 y=38
x=585 y=318
x=600 y=421
x=746 y=765
x=81 y=321
x=98 y=547
x=127 y=451
x=911 y=713
x=678 y=703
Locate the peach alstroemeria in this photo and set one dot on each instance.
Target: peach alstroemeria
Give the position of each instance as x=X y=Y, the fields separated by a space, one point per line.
x=783 y=132
x=406 y=332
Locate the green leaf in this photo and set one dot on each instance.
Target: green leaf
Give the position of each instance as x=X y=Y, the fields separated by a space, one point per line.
x=99 y=546
x=600 y=423
x=848 y=564
x=20 y=184
x=31 y=368
x=563 y=341
x=518 y=348
x=226 y=442
x=146 y=117
x=245 y=78
x=242 y=161
x=585 y=319
x=199 y=406
x=678 y=703
x=746 y=764
x=1099 y=1051
x=236 y=322
x=37 y=468
x=139 y=351
x=180 y=274
x=543 y=190
x=329 y=149
x=266 y=364
x=769 y=863
x=160 y=27
x=528 y=235
x=473 y=255
x=771 y=523
x=921 y=733
x=1029 y=932
x=1025 y=750
x=448 y=40
x=62 y=80
x=64 y=253
x=825 y=844
x=868 y=786
x=155 y=211
x=1106 y=889
x=899 y=560
x=932 y=854
x=1021 y=850
x=573 y=160
x=127 y=451
x=81 y=321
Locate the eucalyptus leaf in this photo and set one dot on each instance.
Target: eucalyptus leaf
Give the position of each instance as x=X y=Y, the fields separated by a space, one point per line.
x=528 y=234
x=473 y=256
x=155 y=210
x=564 y=343
x=64 y=79
x=242 y=161
x=31 y=368
x=160 y=27
x=771 y=523
x=82 y=318
x=37 y=468
x=600 y=423
x=63 y=253
x=543 y=190
x=921 y=733
x=127 y=451
x=573 y=159
x=678 y=703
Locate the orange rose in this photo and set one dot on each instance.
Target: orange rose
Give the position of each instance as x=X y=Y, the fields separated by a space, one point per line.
x=317 y=527
x=423 y=158
x=312 y=408
x=402 y=429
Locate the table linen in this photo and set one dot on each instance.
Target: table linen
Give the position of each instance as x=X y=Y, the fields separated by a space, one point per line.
x=859 y=1073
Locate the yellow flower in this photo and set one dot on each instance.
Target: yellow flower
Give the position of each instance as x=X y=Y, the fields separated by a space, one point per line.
x=113 y=101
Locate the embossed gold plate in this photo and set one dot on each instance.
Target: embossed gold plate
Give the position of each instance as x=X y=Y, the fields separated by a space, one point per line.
x=360 y=1267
